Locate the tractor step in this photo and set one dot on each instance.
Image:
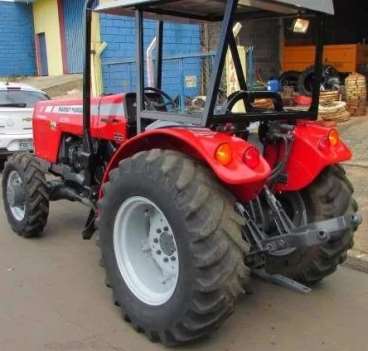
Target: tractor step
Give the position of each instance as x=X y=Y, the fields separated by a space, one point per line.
x=90 y=226
x=282 y=281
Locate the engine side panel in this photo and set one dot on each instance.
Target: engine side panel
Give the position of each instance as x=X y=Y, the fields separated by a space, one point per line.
x=53 y=118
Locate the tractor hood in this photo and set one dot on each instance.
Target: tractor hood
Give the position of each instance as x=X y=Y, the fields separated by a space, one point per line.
x=213 y=10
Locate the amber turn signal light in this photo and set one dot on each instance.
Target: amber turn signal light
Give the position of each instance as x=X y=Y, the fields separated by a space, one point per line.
x=333 y=137
x=223 y=154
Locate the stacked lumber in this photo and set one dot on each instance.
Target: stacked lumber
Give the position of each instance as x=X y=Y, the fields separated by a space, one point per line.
x=356 y=94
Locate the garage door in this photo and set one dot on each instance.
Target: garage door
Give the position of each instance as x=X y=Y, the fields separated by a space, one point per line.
x=73 y=21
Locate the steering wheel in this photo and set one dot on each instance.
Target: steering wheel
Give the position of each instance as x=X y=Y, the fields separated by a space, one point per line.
x=155 y=104
x=234 y=98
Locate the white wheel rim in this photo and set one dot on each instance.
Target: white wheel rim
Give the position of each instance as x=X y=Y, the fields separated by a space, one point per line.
x=146 y=251
x=14 y=186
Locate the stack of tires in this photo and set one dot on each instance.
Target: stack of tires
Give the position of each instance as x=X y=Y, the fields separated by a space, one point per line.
x=302 y=82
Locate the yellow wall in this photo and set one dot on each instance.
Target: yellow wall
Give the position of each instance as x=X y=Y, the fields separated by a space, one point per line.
x=97 y=49
x=46 y=19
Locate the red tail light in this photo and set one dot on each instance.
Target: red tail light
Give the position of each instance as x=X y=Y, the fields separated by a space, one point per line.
x=251 y=157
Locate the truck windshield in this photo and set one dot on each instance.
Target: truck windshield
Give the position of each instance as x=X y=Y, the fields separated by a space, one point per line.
x=20 y=98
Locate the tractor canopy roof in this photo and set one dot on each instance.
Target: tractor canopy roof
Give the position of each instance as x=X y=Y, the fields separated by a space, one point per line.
x=213 y=10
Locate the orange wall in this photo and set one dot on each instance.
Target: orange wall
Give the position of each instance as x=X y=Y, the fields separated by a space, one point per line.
x=345 y=58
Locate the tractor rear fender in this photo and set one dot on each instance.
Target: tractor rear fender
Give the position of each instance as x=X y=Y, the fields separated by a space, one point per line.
x=311 y=153
x=200 y=143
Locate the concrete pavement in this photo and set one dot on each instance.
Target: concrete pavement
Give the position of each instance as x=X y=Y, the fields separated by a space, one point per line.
x=354 y=133
x=53 y=298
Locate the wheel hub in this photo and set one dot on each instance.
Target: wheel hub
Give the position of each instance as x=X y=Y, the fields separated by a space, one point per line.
x=146 y=251
x=16 y=195
x=167 y=244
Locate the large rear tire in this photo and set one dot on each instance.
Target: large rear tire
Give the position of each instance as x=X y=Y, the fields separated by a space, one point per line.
x=25 y=195
x=329 y=196
x=200 y=235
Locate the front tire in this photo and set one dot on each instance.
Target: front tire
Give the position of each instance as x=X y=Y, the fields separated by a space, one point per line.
x=199 y=217
x=25 y=195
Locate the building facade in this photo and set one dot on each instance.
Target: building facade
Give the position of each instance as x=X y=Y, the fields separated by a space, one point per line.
x=49 y=41
x=180 y=42
x=17 y=55
x=58 y=26
x=45 y=37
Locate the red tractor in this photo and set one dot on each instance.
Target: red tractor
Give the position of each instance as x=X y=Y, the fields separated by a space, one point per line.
x=186 y=204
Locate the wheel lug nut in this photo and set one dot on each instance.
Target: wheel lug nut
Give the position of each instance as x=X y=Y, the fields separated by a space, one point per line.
x=158 y=231
x=158 y=252
x=155 y=240
x=166 y=259
x=173 y=258
x=166 y=229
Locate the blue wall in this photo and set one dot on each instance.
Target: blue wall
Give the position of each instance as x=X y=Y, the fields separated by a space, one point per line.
x=17 y=55
x=179 y=39
x=73 y=20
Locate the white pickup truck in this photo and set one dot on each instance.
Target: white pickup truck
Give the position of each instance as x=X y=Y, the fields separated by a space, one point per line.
x=16 y=110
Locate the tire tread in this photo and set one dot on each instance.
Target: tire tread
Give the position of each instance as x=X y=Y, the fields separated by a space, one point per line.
x=219 y=264
x=331 y=195
x=37 y=197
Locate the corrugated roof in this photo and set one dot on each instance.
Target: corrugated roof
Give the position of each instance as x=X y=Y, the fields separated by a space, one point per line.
x=212 y=9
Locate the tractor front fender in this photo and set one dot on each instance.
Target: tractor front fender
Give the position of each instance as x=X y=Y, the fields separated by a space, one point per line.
x=310 y=155
x=201 y=144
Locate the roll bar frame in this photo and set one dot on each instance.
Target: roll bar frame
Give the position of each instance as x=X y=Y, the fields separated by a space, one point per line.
x=207 y=117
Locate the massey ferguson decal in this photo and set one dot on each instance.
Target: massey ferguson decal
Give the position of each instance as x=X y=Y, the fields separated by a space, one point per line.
x=69 y=110
x=64 y=109
x=97 y=110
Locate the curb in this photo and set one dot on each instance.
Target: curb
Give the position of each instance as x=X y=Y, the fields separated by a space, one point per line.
x=354 y=164
x=357 y=260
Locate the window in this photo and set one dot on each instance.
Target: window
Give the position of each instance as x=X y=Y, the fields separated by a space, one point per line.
x=20 y=98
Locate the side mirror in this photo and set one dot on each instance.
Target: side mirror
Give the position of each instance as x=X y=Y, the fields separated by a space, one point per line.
x=300 y=25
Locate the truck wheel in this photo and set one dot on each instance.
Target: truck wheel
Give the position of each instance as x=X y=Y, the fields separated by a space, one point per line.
x=289 y=79
x=25 y=196
x=329 y=196
x=171 y=246
x=330 y=80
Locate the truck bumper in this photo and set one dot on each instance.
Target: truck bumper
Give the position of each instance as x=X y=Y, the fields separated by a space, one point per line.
x=10 y=143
